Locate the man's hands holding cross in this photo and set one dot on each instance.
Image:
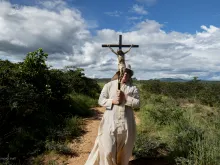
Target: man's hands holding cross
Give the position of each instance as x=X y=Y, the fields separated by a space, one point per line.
x=121 y=97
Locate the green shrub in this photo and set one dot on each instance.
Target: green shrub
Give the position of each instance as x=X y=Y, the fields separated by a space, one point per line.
x=38 y=103
x=73 y=127
x=188 y=134
x=146 y=146
x=184 y=136
x=163 y=110
x=202 y=152
x=59 y=148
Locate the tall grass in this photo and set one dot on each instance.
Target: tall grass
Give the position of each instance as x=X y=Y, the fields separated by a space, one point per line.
x=187 y=135
x=83 y=103
x=57 y=142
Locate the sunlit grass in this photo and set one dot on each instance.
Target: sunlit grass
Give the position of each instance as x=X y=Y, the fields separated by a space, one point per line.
x=187 y=134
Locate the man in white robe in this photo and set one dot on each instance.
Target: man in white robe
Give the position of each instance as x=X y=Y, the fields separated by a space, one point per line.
x=117 y=130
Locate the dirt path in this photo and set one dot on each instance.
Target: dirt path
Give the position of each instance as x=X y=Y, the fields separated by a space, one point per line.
x=84 y=146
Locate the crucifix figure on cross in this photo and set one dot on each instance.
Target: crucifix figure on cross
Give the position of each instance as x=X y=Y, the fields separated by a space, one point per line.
x=121 y=56
x=121 y=59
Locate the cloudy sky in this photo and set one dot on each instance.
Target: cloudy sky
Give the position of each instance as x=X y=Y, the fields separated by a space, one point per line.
x=177 y=39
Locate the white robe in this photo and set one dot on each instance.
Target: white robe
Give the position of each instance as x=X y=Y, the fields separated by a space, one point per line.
x=117 y=130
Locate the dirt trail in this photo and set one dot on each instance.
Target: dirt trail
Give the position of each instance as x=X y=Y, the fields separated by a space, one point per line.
x=85 y=145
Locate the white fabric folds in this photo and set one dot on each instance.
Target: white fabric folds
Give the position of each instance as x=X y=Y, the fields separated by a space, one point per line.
x=117 y=130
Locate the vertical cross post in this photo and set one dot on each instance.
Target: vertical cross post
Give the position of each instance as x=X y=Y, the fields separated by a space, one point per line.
x=120 y=42
x=120 y=54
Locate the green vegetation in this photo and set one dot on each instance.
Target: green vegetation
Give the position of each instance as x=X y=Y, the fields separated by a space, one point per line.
x=41 y=108
x=179 y=121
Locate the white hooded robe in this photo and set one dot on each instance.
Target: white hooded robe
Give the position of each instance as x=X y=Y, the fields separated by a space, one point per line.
x=117 y=130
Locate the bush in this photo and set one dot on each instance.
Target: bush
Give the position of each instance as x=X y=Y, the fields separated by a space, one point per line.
x=36 y=101
x=207 y=93
x=164 y=110
x=59 y=148
x=187 y=134
x=146 y=146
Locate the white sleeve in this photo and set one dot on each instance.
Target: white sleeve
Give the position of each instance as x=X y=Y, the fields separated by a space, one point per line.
x=134 y=100
x=104 y=98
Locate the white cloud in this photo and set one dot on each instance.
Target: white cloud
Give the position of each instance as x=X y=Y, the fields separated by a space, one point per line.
x=174 y=54
x=113 y=13
x=29 y=28
x=139 y=9
x=55 y=4
x=64 y=35
x=134 y=18
x=91 y=24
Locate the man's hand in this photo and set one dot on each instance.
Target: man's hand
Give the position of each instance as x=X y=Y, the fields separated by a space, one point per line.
x=119 y=98
x=115 y=101
x=122 y=97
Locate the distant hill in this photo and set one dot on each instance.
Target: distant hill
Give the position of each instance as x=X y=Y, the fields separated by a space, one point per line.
x=185 y=80
x=173 y=80
x=105 y=80
x=162 y=79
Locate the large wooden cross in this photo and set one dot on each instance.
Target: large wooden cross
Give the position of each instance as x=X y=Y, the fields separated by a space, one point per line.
x=120 y=44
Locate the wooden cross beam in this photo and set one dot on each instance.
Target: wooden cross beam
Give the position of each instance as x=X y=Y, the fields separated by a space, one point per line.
x=120 y=45
x=121 y=56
